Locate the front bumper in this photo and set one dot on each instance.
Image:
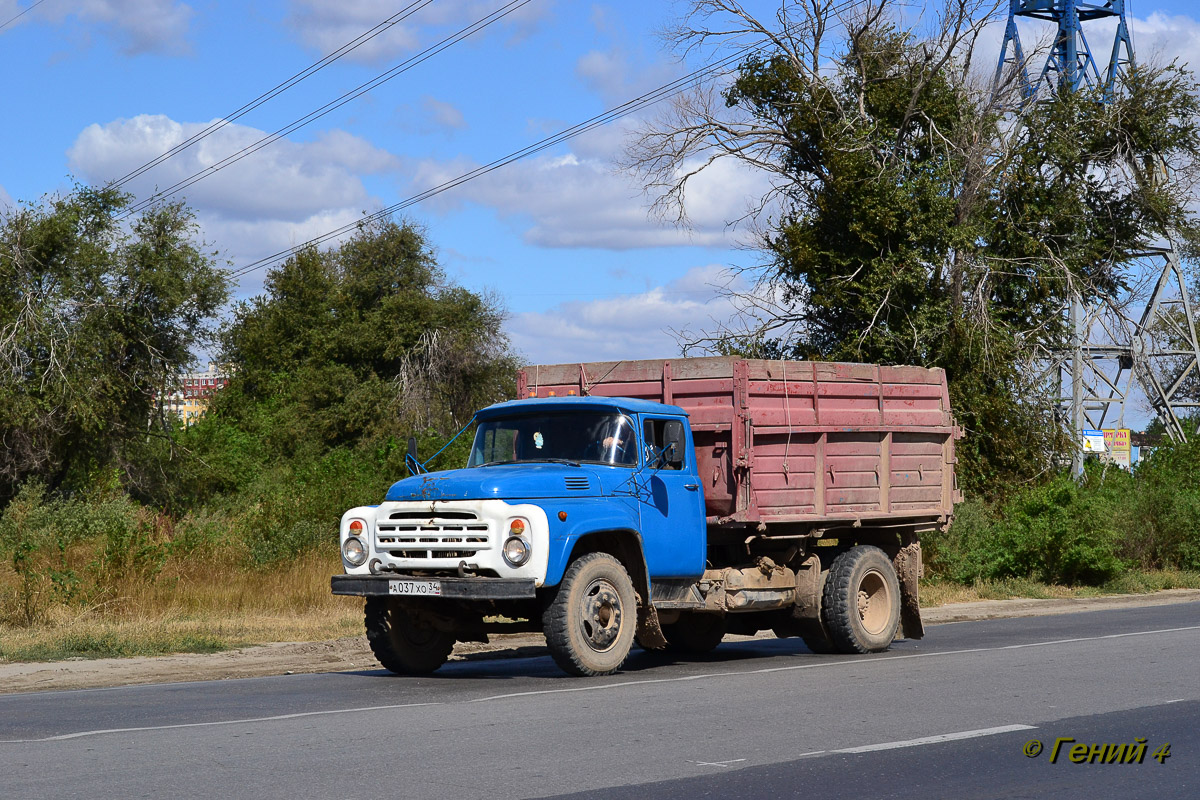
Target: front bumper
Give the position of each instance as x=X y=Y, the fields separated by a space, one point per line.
x=452 y=588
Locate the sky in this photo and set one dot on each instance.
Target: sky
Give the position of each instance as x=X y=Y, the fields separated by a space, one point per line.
x=96 y=88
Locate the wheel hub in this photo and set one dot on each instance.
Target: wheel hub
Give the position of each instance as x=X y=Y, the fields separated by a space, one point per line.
x=600 y=615
x=874 y=602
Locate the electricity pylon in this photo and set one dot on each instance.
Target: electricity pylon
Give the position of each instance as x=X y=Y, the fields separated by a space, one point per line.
x=1113 y=343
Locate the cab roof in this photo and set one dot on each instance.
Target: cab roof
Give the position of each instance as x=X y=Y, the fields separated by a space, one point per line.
x=630 y=405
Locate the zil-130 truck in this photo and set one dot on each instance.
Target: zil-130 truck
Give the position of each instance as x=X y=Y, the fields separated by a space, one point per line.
x=666 y=502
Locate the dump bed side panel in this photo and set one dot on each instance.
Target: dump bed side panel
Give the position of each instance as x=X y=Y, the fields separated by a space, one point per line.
x=790 y=441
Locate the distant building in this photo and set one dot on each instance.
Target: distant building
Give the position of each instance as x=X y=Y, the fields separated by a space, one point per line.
x=193 y=392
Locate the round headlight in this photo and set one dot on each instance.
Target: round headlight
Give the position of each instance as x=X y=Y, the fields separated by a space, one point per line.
x=353 y=551
x=516 y=551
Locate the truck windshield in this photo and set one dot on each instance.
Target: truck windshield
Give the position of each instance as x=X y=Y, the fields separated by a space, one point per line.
x=577 y=437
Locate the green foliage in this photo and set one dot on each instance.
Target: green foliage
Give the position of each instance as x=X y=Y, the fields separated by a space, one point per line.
x=74 y=550
x=347 y=353
x=1168 y=505
x=95 y=318
x=363 y=342
x=1092 y=532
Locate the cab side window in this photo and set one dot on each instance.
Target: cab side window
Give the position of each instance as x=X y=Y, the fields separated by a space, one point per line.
x=660 y=435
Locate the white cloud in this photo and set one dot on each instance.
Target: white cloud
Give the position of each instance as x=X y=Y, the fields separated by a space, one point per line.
x=617 y=75
x=326 y=26
x=444 y=115
x=287 y=180
x=1162 y=38
x=580 y=200
x=5 y=199
x=140 y=26
x=279 y=197
x=626 y=326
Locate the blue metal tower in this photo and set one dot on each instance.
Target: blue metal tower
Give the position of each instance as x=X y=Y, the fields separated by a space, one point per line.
x=1069 y=65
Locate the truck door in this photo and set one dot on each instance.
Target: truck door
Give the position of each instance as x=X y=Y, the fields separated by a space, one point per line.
x=672 y=503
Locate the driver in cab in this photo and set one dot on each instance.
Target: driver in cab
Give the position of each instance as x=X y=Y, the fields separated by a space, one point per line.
x=614 y=442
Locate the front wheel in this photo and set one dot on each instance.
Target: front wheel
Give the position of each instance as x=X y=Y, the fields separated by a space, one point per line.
x=591 y=621
x=860 y=607
x=402 y=641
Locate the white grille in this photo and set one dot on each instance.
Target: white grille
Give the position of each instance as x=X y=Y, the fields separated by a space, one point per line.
x=433 y=537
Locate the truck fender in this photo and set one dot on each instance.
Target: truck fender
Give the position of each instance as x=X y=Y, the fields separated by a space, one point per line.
x=591 y=521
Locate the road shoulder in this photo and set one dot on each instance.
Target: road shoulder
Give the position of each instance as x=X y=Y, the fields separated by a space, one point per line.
x=351 y=653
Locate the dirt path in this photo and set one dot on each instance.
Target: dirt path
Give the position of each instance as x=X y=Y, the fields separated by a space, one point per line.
x=352 y=654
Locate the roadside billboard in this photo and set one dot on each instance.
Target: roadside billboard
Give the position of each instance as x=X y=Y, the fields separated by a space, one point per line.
x=1093 y=441
x=1119 y=445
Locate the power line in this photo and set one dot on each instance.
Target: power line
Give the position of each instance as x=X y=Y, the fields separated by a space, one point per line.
x=350 y=46
x=424 y=55
x=11 y=20
x=617 y=112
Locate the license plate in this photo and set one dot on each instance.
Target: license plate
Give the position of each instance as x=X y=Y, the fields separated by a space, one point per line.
x=426 y=588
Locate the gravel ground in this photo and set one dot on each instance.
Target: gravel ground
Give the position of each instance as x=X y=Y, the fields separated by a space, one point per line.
x=351 y=653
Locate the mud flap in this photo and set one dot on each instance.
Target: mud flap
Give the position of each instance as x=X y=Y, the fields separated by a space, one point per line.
x=909 y=569
x=649 y=630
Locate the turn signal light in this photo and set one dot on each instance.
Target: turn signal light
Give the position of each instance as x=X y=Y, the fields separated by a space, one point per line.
x=356 y=527
x=516 y=527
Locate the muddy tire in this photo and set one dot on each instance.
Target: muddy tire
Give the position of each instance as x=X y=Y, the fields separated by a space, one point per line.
x=695 y=633
x=591 y=620
x=403 y=642
x=860 y=607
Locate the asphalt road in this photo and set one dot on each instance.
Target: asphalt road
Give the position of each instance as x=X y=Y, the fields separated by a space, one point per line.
x=948 y=716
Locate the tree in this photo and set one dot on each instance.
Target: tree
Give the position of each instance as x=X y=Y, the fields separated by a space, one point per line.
x=96 y=317
x=916 y=214
x=364 y=342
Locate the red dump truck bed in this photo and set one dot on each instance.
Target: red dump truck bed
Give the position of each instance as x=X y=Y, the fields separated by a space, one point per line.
x=794 y=441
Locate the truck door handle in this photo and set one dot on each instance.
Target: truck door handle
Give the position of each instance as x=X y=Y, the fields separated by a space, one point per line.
x=691 y=487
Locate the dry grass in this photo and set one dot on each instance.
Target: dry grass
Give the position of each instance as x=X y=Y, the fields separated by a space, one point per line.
x=206 y=608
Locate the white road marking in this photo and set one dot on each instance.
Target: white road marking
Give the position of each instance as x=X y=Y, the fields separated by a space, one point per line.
x=823 y=664
x=717 y=763
x=941 y=737
x=81 y=734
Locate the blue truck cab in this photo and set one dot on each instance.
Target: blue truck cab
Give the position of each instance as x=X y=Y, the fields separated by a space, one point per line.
x=567 y=513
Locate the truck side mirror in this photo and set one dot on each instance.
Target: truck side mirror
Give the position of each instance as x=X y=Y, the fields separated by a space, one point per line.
x=673 y=444
x=410 y=456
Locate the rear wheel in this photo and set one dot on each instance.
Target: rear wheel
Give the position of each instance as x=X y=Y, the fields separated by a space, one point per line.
x=860 y=607
x=695 y=633
x=402 y=640
x=590 y=622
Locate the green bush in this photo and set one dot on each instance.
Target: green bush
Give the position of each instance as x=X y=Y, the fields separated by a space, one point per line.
x=1058 y=532
x=1167 y=503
